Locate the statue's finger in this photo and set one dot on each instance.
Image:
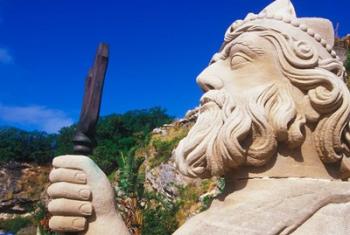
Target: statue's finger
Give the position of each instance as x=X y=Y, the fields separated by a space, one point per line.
x=79 y=162
x=67 y=175
x=69 y=207
x=67 y=224
x=69 y=190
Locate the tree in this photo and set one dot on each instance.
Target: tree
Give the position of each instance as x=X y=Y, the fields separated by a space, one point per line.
x=19 y=145
x=116 y=136
x=64 y=144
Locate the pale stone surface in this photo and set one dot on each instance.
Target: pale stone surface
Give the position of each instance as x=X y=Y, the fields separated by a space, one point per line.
x=82 y=198
x=277 y=206
x=275 y=107
x=274 y=83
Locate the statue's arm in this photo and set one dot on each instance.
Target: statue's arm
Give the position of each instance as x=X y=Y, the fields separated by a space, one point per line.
x=82 y=199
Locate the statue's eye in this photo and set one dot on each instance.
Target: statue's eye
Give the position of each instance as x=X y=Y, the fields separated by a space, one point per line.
x=239 y=59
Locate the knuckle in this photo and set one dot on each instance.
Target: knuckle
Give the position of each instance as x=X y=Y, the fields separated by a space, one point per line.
x=53 y=223
x=85 y=193
x=80 y=177
x=56 y=160
x=49 y=190
x=53 y=175
x=56 y=203
x=67 y=224
x=55 y=189
x=85 y=208
x=50 y=207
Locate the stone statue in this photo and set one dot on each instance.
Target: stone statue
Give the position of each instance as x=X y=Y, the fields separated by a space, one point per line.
x=274 y=120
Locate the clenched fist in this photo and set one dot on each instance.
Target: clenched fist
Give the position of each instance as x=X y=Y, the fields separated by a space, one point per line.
x=82 y=198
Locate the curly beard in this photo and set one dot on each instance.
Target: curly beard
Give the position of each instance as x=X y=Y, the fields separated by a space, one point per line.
x=229 y=134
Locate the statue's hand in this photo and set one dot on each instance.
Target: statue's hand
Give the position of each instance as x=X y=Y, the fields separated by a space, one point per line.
x=82 y=198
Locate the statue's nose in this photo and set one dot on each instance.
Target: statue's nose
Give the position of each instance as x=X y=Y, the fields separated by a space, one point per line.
x=209 y=81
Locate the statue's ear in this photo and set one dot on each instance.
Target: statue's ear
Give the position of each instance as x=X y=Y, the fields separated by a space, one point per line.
x=282 y=8
x=321 y=26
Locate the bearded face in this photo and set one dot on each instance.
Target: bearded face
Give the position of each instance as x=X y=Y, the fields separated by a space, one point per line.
x=229 y=133
x=251 y=104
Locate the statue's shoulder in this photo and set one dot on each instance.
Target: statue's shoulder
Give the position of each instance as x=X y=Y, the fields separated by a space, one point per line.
x=277 y=206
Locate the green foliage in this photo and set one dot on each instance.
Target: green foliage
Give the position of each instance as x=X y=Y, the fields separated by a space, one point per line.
x=116 y=134
x=19 y=145
x=105 y=155
x=207 y=200
x=64 y=143
x=163 y=150
x=40 y=219
x=347 y=62
x=14 y=225
x=130 y=179
x=146 y=120
x=159 y=216
x=221 y=184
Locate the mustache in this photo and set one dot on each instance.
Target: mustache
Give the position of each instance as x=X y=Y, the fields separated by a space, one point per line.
x=218 y=99
x=214 y=96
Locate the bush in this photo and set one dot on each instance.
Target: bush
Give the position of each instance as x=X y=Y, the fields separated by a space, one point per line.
x=347 y=62
x=41 y=219
x=131 y=179
x=159 y=216
x=15 y=224
x=19 y=145
x=164 y=150
x=105 y=156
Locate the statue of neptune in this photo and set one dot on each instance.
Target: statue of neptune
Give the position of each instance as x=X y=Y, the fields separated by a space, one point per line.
x=274 y=120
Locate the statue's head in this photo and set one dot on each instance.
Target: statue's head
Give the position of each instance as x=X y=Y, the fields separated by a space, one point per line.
x=274 y=75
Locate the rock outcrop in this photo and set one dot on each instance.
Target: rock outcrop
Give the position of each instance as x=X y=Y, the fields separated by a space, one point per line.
x=21 y=185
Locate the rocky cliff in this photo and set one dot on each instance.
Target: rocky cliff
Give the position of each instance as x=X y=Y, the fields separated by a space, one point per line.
x=21 y=185
x=22 y=189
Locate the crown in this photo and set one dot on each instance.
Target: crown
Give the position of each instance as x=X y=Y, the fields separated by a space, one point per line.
x=280 y=15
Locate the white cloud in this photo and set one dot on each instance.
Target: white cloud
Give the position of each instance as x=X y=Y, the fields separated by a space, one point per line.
x=5 y=56
x=40 y=117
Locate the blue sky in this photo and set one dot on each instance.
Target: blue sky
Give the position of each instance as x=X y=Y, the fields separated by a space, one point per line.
x=157 y=49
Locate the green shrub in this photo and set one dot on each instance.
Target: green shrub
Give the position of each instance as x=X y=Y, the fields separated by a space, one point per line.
x=159 y=216
x=207 y=200
x=347 y=62
x=164 y=150
x=15 y=224
x=131 y=179
x=19 y=145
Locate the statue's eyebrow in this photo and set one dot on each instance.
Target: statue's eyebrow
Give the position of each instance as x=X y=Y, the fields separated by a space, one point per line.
x=255 y=49
x=225 y=50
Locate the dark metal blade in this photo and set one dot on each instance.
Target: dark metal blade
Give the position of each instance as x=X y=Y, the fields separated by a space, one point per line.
x=84 y=139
